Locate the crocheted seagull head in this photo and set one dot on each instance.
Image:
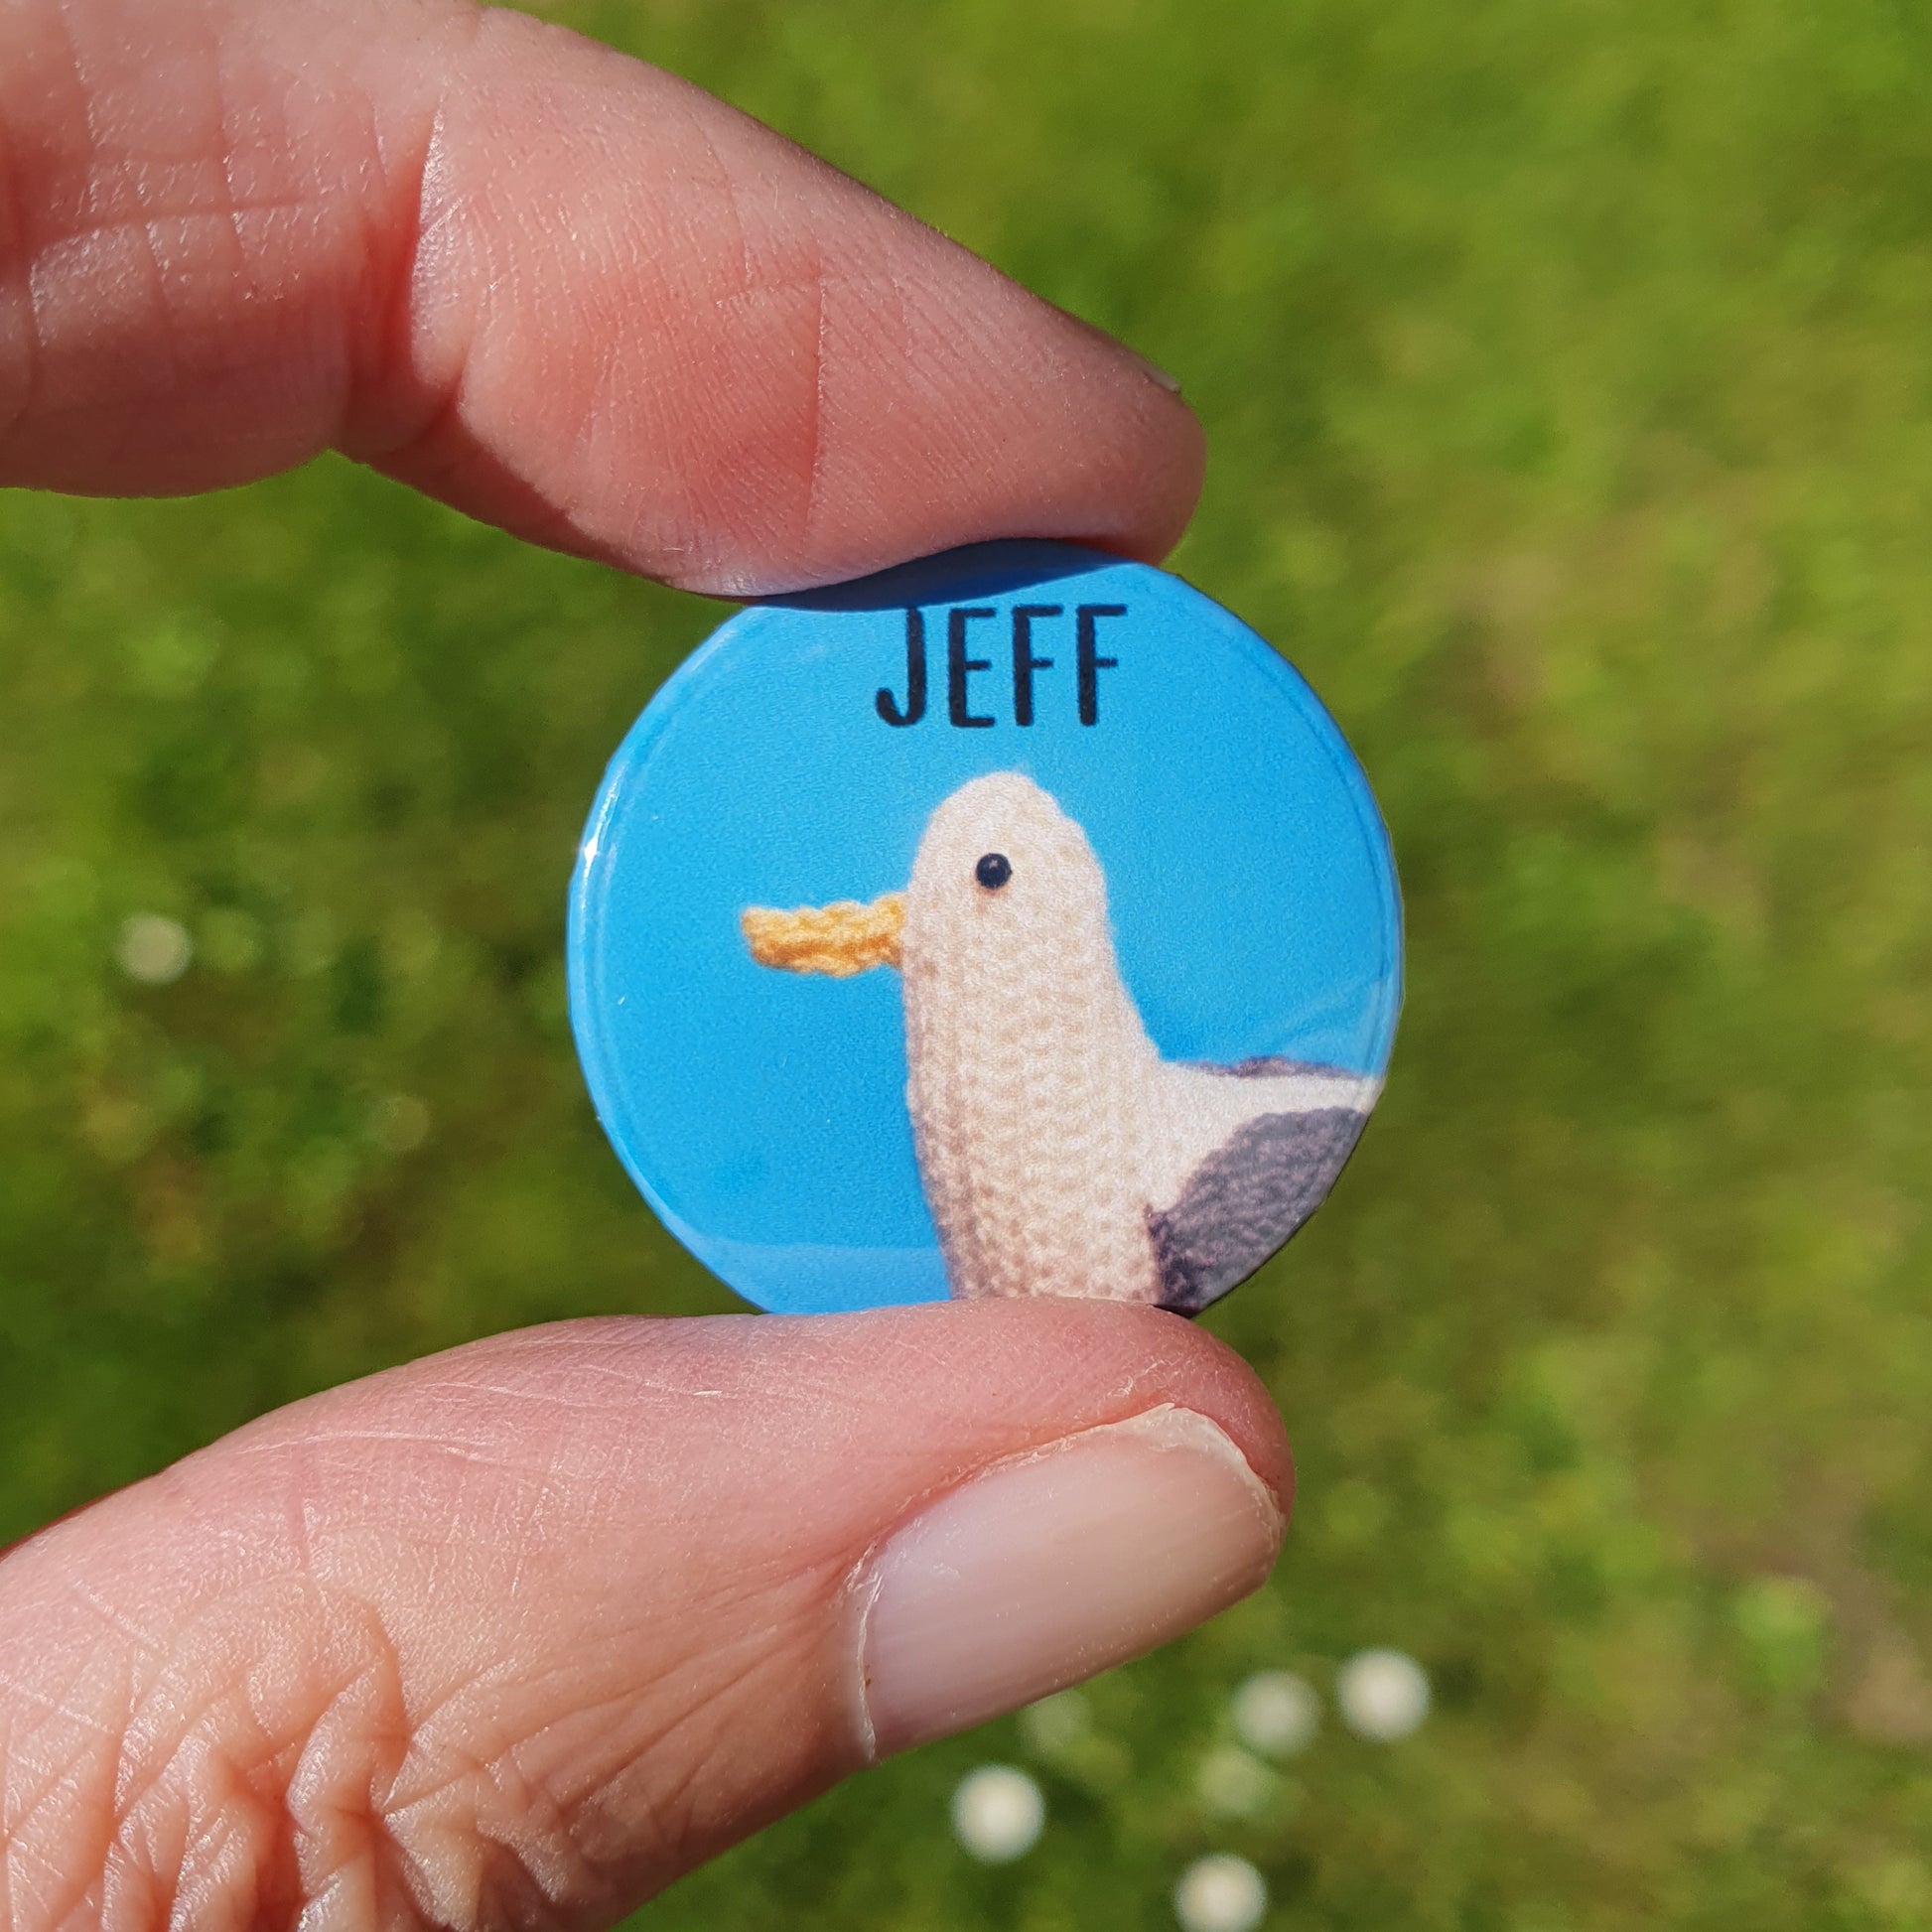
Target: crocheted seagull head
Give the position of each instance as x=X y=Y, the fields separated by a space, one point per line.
x=1059 y=1153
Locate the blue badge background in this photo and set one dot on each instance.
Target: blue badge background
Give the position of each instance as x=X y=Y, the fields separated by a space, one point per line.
x=762 y=1113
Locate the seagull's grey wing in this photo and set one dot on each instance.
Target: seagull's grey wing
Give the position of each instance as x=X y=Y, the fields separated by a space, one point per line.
x=1245 y=1199
x=1261 y=1066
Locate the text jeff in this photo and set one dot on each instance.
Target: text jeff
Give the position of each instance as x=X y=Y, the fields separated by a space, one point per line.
x=962 y=666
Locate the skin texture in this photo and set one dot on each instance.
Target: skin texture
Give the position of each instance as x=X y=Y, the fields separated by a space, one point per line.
x=563 y=290
x=515 y=1635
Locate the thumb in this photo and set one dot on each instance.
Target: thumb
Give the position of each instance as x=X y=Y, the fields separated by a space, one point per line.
x=524 y=1631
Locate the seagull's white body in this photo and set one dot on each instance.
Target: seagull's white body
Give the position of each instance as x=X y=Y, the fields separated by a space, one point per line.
x=1053 y=1140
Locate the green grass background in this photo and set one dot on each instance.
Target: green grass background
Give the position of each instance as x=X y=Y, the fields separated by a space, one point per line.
x=1567 y=373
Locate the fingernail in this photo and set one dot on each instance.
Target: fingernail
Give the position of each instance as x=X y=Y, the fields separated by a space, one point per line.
x=1170 y=383
x=1154 y=370
x=1043 y=1570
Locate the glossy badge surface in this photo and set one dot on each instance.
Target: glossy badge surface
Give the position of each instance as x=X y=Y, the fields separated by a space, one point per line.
x=1015 y=922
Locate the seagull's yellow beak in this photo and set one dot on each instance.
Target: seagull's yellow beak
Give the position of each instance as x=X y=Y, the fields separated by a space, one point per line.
x=840 y=940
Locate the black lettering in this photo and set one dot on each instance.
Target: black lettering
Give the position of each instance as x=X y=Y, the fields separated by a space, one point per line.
x=914 y=677
x=959 y=665
x=1024 y=663
x=1091 y=664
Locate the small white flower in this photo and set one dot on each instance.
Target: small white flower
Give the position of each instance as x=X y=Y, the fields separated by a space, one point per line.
x=1232 y=1784
x=1058 y=1723
x=1220 y=1893
x=997 y=1814
x=1277 y=1713
x=1383 y=1694
x=153 y=949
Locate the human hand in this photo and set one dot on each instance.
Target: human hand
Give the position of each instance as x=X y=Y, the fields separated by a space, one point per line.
x=565 y=292
x=518 y=1634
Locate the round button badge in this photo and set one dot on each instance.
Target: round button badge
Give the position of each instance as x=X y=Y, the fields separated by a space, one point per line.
x=1014 y=922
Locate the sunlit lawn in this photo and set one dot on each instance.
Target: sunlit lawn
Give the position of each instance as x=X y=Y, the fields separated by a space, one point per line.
x=1567 y=370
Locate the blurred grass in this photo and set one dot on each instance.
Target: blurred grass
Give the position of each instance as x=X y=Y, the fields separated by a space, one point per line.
x=1566 y=370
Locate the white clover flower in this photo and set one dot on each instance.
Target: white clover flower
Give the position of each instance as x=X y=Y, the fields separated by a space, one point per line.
x=153 y=949
x=1220 y=1893
x=1058 y=1723
x=1383 y=1694
x=1277 y=1713
x=997 y=1814
x=1231 y=1783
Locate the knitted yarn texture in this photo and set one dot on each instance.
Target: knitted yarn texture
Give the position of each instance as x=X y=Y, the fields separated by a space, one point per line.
x=841 y=940
x=1059 y=1153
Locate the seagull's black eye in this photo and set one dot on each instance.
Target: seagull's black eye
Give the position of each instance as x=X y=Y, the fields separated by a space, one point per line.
x=993 y=870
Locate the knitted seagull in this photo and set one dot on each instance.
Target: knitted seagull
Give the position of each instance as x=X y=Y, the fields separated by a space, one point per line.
x=1060 y=1153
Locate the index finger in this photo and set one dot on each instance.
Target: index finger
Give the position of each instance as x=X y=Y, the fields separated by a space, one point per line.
x=560 y=290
